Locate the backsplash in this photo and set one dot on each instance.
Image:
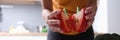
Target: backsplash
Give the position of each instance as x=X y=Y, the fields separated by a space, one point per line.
x=30 y=14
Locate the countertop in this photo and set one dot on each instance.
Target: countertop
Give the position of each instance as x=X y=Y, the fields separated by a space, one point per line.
x=22 y=34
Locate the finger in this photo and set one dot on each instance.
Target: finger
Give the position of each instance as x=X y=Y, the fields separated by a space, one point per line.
x=56 y=11
x=53 y=29
x=53 y=22
x=56 y=29
x=89 y=10
x=90 y=16
x=90 y=22
x=54 y=26
x=54 y=14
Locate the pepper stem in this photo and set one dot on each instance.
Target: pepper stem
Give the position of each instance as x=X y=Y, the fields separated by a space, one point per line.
x=65 y=11
x=77 y=9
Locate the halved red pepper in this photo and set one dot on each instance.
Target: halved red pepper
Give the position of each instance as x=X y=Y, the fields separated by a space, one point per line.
x=64 y=21
x=82 y=23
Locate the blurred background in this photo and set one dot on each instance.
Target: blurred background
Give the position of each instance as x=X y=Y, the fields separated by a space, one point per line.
x=14 y=11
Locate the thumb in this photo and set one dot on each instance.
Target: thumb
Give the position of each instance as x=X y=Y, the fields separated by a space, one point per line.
x=54 y=14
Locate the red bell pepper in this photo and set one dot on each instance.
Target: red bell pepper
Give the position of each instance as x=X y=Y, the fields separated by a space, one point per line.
x=63 y=16
x=82 y=23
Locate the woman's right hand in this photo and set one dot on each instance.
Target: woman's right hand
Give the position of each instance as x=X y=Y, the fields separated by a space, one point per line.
x=52 y=19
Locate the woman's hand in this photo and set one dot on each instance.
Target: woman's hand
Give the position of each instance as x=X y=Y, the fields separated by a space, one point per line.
x=90 y=15
x=52 y=19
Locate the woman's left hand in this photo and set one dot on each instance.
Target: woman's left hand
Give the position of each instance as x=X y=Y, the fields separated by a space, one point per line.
x=90 y=15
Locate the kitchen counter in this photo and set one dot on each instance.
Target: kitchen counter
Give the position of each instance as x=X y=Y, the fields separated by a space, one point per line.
x=22 y=34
